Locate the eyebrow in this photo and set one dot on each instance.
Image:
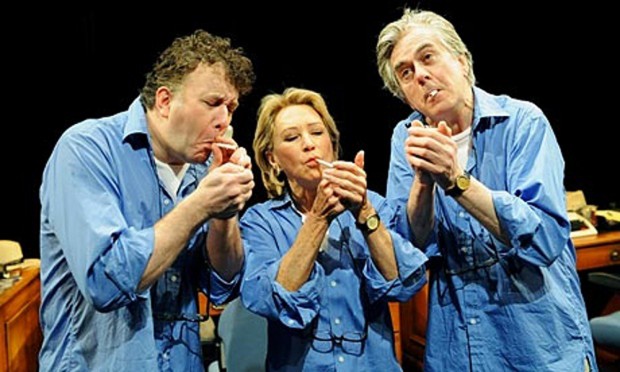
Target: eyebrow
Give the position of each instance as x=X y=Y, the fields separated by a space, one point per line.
x=400 y=64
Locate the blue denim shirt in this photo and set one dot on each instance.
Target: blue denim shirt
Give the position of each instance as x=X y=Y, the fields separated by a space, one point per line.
x=100 y=198
x=495 y=306
x=345 y=295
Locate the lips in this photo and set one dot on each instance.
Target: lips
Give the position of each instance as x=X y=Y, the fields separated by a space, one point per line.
x=431 y=94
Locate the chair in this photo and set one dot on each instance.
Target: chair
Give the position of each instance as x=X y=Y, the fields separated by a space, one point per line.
x=244 y=339
x=606 y=328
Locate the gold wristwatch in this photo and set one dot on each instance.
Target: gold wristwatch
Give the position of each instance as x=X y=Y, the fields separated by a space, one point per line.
x=371 y=224
x=461 y=184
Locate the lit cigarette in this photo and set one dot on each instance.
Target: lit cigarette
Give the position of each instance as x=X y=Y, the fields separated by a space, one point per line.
x=324 y=163
x=225 y=146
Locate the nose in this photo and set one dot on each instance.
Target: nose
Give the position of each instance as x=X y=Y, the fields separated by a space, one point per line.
x=308 y=143
x=223 y=118
x=421 y=74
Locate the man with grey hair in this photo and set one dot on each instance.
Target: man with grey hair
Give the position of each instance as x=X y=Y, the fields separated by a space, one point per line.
x=482 y=180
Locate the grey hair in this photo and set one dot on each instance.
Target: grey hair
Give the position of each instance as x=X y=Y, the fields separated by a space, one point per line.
x=393 y=32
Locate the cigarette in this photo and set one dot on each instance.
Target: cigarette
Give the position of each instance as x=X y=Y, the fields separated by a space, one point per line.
x=324 y=163
x=225 y=146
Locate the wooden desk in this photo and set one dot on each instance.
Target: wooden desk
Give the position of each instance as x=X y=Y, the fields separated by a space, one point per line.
x=20 y=334
x=593 y=252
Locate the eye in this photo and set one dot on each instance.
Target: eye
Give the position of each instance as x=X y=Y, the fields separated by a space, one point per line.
x=290 y=138
x=317 y=132
x=406 y=74
x=232 y=107
x=428 y=57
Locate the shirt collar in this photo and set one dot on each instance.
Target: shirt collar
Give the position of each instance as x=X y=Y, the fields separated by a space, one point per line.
x=282 y=201
x=136 y=121
x=485 y=106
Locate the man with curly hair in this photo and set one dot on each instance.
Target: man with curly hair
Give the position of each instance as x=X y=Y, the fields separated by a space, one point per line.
x=139 y=213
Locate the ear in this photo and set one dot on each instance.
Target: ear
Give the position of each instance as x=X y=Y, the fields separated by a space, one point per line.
x=163 y=99
x=463 y=62
x=272 y=160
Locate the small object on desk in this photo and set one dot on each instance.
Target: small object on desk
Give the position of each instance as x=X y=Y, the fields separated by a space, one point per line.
x=608 y=220
x=580 y=226
x=11 y=258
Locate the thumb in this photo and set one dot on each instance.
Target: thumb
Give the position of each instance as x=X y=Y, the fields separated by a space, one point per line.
x=417 y=123
x=444 y=129
x=359 y=159
x=218 y=156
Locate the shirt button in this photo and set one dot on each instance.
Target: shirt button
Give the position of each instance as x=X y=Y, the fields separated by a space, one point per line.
x=472 y=321
x=341 y=359
x=166 y=202
x=461 y=214
x=291 y=321
x=333 y=283
x=337 y=321
x=464 y=249
x=166 y=355
x=173 y=278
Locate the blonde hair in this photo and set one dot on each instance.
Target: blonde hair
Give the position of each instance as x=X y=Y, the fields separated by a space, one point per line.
x=271 y=106
x=393 y=32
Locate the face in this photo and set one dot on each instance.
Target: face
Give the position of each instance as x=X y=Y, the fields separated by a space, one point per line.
x=433 y=79
x=197 y=112
x=299 y=138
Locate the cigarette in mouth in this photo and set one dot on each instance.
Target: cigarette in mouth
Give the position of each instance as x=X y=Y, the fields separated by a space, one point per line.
x=225 y=146
x=324 y=163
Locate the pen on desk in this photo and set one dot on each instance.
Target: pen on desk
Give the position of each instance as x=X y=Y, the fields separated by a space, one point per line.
x=324 y=163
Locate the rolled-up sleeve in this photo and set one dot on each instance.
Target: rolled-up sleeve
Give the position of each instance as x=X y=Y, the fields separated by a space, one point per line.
x=259 y=290
x=85 y=208
x=409 y=259
x=533 y=213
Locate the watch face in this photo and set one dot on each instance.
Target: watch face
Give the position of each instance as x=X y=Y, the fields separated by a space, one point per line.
x=372 y=223
x=462 y=182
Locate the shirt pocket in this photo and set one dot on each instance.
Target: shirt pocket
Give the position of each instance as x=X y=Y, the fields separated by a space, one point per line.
x=518 y=281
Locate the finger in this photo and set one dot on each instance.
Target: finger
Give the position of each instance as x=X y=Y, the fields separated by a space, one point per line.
x=444 y=128
x=354 y=198
x=359 y=159
x=417 y=123
x=218 y=156
x=238 y=155
x=346 y=180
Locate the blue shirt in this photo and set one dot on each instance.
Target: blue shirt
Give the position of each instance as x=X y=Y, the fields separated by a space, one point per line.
x=100 y=198
x=495 y=306
x=345 y=295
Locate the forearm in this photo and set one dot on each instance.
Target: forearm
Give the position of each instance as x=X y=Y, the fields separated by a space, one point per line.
x=224 y=247
x=172 y=233
x=298 y=262
x=421 y=211
x=382 y=252
x=477 y=200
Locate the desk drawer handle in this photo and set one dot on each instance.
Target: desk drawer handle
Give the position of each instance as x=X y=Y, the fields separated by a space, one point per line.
x=615 y=255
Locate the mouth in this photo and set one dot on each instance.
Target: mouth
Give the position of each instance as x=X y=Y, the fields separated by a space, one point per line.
x=431 y=94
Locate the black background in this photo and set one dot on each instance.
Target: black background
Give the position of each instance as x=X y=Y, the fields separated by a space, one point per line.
x=62 y=67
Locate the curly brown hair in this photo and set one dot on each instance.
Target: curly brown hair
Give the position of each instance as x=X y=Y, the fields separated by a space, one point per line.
x=186 y=53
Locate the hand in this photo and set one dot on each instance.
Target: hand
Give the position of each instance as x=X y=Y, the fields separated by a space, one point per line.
x=225 y=190
x=349 y=182
x=326 y=203
x=433 y=152
x=223 y=154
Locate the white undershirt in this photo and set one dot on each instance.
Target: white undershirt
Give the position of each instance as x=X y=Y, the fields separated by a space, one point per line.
x=170 y=180
x=463 y=141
